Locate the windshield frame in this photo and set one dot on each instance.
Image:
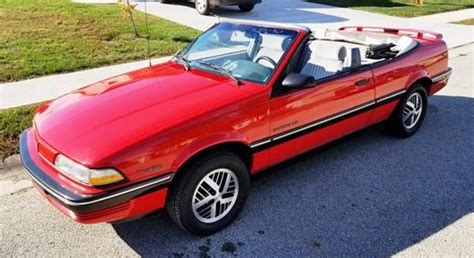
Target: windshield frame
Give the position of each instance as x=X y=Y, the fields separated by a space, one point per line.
x=185 y=50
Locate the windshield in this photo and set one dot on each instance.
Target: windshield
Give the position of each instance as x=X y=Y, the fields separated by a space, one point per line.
x=241 y=51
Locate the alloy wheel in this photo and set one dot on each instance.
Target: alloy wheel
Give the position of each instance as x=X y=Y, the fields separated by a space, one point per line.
x=215 y=195
x=412 y=110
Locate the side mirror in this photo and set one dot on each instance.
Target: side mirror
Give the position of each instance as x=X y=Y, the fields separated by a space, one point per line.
x=298 y=81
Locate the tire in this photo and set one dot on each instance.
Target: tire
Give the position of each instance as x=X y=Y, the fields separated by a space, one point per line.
x=246 y=7
x=202 y=6
x=164 y=1
x=401 y=123
x=186 y=192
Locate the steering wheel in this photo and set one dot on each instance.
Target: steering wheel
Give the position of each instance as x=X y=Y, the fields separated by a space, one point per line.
x=268 y=59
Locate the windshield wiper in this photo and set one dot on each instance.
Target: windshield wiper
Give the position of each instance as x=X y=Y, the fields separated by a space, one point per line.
x=222 y=70
x=183 y=61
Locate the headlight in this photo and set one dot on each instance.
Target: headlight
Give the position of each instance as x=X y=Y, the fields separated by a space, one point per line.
x=86 y=175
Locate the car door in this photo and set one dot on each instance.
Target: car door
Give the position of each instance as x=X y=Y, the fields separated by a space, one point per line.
x=305 y=118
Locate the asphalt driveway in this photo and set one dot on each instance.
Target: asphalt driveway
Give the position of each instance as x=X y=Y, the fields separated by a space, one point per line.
x=367 y=194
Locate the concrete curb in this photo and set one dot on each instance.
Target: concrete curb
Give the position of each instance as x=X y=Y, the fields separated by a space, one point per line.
x=12 y=176
x=10 y=162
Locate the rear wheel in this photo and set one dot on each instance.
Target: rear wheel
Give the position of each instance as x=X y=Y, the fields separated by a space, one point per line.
x=209 y=194
x=246 y=7
x=410 y=112
x=202 y=6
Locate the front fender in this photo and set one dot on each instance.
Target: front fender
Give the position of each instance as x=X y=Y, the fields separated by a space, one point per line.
x=207 y=142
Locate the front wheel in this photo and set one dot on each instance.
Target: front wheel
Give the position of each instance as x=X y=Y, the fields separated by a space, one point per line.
x=246 y=7
x=410 y=112
x=202 y=6
x=209 y=194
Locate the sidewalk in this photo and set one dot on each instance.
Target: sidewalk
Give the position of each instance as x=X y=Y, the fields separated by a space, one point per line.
x=446 y=17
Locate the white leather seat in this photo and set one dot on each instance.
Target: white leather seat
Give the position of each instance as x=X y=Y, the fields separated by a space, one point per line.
x=324 y=58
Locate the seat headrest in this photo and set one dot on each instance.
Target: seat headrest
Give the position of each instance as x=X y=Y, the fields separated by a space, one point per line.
x=285 y=44
x=327 y=50
x=342 y=53
x=353 y=59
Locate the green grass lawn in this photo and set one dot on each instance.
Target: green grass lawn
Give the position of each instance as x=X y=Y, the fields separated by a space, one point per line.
x=402 y=8
x=40 y=37
x=12 y=122
x=466 y=22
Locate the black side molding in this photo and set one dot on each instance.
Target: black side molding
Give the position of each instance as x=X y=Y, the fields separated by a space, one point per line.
x=274 y=140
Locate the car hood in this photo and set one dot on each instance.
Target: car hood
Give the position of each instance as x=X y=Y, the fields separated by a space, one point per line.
x=104 y=118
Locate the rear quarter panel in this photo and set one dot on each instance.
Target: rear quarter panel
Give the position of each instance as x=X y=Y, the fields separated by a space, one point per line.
x=427 y=60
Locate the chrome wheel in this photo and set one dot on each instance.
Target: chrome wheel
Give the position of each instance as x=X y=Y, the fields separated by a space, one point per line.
x=412 y=110
x=215 y=195
x=201 y=6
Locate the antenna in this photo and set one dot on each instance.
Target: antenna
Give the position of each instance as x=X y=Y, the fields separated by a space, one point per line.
x=147 y=34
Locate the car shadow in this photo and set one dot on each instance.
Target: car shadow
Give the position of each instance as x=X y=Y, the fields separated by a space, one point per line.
x=367 y=194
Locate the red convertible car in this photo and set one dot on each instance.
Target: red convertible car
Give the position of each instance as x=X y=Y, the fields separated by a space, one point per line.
x=243 y=96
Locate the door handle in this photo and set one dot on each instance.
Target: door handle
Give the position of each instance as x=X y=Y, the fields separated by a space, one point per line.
x=362 y=82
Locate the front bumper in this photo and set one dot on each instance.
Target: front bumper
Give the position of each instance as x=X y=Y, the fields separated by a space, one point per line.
x=118 y=204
